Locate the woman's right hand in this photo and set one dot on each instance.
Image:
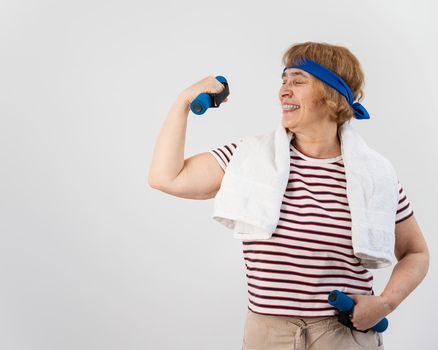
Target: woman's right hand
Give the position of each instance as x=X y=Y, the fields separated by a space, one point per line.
x=207 y=85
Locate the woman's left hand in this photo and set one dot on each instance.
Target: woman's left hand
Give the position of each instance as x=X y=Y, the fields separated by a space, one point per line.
x=368 y=311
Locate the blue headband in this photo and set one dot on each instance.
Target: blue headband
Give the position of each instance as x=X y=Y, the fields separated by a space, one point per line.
x=335 y=81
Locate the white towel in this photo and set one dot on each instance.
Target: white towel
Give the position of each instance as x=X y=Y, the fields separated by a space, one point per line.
x=249 y=199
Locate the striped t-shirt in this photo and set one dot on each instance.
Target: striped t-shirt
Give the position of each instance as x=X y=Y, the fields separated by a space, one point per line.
x=310 y=252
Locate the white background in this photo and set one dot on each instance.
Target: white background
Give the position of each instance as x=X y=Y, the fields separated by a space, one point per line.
x=93 y=258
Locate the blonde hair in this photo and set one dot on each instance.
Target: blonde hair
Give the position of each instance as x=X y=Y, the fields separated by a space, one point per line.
x=339 y=60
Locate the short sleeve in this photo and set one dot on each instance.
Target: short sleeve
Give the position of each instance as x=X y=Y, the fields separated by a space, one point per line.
x=404 y=209
x=224 y=153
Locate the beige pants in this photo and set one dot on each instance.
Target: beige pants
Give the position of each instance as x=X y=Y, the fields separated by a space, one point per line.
x=264 y=332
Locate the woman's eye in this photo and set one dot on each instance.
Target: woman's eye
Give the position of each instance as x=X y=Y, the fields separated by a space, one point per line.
x=295 y=82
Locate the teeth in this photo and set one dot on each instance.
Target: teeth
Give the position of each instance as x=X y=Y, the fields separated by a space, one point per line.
x=288 y=107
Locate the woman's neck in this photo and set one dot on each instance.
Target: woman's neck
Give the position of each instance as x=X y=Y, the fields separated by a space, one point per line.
x=321 y=146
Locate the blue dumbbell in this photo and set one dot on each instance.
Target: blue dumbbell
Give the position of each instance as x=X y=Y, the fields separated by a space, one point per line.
x=345 y=305
x=205 y=101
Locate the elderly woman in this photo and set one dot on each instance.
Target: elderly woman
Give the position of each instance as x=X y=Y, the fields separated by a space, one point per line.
x=310 y=253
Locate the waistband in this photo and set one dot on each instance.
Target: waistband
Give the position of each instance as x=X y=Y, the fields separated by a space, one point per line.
x=294 y=323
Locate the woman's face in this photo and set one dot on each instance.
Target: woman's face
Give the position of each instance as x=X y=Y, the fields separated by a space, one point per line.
x=300 y=88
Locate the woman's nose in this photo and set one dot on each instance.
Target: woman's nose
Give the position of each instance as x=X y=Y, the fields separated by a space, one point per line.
x=286 y=91
x=286 y=88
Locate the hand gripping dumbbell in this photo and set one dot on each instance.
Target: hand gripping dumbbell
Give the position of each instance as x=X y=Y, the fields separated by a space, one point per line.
x=209 y=100
x=345 y=305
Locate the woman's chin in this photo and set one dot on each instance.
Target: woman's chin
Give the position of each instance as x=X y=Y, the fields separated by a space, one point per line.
x=288 y=121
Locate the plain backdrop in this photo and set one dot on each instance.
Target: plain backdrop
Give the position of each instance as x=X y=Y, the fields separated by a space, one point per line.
x=93 y=258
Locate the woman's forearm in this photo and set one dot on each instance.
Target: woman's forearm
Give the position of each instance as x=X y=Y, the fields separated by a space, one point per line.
x=406 y=276
x=168 y=156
